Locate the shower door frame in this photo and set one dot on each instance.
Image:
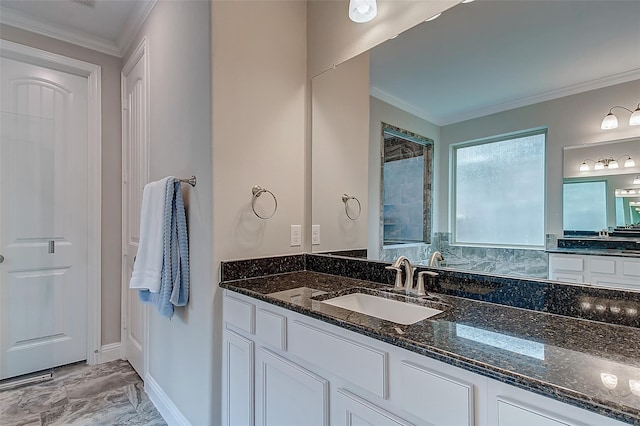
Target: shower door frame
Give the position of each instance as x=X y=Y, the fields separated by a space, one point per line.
x=93 y=75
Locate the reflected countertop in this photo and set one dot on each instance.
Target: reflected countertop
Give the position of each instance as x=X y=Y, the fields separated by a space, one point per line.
x=588 y=364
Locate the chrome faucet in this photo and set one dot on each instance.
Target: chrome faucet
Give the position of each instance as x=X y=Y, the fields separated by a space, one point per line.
x=407 y=284
x=435 y=257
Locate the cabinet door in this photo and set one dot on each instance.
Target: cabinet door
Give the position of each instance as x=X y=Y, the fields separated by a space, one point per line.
x=351 y=410
x=237 y=392
x=287 y=394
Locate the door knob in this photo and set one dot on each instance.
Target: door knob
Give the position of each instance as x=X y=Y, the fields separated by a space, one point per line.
x=1 y=258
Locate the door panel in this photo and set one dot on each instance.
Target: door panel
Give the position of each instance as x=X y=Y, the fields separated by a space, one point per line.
x=135 y=153
x=43 y=218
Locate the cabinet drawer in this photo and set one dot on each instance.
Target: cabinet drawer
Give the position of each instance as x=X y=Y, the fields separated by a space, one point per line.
x=566 y=263
x=239 y=313
x=357 y=363
x=603 y=266
x=271 y=328
x=631 y=268
x=513 y=414
x=438 y=399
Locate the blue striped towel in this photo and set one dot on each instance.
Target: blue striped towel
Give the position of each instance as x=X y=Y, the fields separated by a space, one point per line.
x=174 y=285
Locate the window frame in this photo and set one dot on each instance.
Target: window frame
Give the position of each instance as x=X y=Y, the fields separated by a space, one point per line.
x=452 y=187
x=428 y=178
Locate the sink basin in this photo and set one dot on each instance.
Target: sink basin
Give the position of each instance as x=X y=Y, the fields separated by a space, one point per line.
x=386 y=309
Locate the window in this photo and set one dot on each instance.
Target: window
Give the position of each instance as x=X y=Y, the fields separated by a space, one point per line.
x=584 y=206
x=406 y=187
x=498 y=191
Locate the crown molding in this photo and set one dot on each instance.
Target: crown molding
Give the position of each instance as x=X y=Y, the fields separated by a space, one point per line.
x=80 y=38
x=403 y=105
x=574 y=89
x=133 y=25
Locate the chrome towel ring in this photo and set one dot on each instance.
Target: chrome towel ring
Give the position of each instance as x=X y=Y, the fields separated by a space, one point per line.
x=345 y=200
x=257 y=191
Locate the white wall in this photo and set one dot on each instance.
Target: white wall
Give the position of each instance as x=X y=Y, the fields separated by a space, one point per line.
x=340 y=134
x=382 y=112
x=571 y=120
x=111 y=166
x=180 y=349
x=259 y=123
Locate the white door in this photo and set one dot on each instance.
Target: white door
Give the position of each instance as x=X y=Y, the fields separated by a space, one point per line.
x=135 y=176
x=43 y=218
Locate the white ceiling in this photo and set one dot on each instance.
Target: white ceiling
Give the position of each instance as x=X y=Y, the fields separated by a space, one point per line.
x=490 y=56
x=107 y=26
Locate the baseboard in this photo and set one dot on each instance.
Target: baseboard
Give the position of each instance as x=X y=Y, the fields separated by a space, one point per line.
x=165 y=406
x=108 y=353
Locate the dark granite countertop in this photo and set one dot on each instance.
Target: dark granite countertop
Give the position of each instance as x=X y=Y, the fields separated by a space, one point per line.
x=572 y=360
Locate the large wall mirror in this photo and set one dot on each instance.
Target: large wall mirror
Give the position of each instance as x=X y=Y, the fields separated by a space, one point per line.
x=486 y=71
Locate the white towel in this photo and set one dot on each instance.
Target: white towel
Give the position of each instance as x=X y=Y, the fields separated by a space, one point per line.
x=147 y=269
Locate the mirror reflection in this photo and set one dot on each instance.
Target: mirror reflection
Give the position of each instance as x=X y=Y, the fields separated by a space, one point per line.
x=482 y=72
x=605 y=197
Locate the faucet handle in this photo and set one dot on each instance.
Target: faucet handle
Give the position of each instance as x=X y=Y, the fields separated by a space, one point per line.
x=421 y=291
x=398 y=284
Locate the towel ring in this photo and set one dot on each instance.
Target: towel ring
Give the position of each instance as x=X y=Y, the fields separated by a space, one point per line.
x=257 y=191
x=345 y=200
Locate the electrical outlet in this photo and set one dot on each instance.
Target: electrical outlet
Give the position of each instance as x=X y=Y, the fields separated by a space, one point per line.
x=315 y=235
x=296 y=238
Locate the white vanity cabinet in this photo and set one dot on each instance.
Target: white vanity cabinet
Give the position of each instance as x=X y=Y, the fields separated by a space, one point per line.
x=604 y=271
x=284 y=368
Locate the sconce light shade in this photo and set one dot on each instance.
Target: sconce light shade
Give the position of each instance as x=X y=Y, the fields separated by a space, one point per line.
x=629 y=162
x=613 y=164
x=598 y=166
x=361 y=11
x=609 y=122
x=634 y=120
x=636 y=181
x=584 y=167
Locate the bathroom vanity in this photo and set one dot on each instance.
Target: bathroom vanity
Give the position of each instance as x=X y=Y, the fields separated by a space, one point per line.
x=606 y=262
x=291 y=358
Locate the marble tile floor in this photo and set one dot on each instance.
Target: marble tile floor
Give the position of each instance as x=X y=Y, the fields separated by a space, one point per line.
x=105 y=394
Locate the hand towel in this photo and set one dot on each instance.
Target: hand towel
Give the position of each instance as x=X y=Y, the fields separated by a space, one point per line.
x=147 y=268
x=174 y=286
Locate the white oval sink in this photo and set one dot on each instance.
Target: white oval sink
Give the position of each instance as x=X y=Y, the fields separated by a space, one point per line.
x=386 y=309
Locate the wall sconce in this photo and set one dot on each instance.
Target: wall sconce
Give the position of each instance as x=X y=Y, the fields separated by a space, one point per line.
x=610 y=121
x=636 y=181
x=630 y=192
x=609 y=163
x=361 y=11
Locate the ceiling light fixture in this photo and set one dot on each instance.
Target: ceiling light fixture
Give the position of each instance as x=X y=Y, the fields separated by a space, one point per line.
x=361 y=11
x=610 y=121
x=606 y=163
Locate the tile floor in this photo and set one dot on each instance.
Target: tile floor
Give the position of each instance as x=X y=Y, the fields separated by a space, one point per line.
x=105 y=394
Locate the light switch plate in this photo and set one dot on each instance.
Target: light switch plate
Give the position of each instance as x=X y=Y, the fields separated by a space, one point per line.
x=315 y=235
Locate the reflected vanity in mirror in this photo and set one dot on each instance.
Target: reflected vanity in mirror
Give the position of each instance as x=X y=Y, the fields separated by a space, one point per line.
x=481 y=70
